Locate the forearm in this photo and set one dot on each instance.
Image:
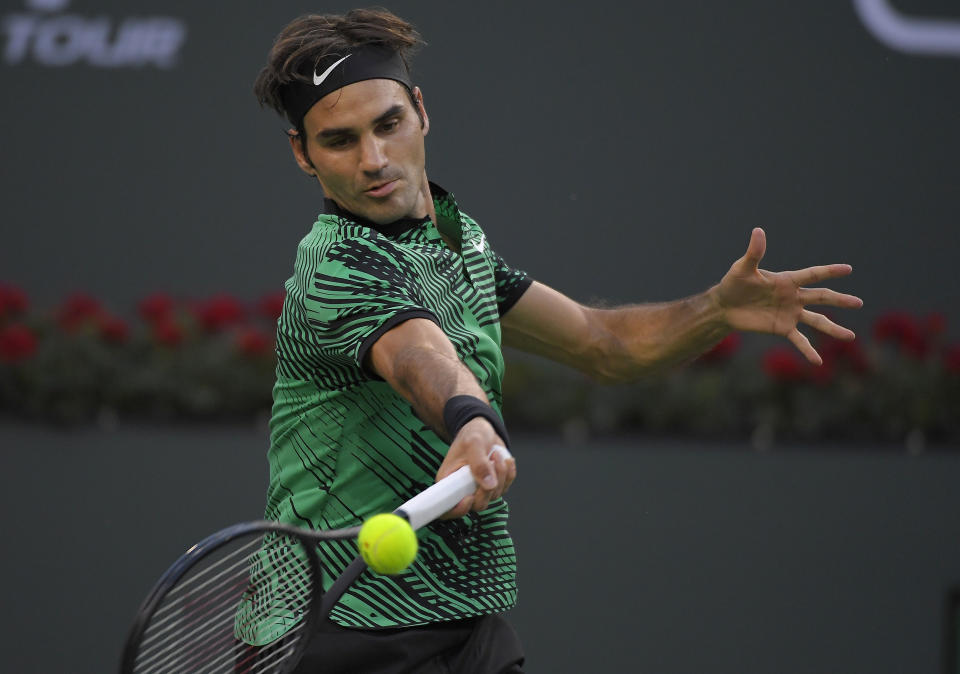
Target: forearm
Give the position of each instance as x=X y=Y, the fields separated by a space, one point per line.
x=420 y=364
x=619 y=344
x=428 y=379
x=633 y=341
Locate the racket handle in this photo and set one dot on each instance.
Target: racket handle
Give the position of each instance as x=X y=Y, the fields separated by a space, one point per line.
x=440 y=497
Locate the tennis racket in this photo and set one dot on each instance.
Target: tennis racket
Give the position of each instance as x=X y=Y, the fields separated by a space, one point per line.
x=248 y=598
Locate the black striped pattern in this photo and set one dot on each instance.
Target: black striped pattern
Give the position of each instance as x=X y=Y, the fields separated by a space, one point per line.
x=344 y=446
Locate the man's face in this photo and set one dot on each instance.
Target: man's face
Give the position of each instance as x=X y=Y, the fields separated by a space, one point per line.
x=365 y=142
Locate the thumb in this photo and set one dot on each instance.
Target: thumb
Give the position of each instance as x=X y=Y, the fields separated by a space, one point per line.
x=756 y=248
x=483 y=472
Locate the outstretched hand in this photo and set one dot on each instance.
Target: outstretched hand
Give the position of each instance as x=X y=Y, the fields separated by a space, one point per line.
x=757 y=300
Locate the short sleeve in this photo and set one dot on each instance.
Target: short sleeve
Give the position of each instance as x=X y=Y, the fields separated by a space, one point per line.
x=510 y=284
x=361 y=288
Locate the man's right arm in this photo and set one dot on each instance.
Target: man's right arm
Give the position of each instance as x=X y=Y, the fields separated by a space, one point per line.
x=421 y=364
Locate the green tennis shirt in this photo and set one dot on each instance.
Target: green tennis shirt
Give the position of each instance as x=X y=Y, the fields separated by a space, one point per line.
x=344 y=445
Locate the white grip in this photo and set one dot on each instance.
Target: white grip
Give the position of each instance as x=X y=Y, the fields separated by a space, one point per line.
x=438 y=498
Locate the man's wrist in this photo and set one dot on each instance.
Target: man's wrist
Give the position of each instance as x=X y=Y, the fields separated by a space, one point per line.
x=460 y=409
x=716 y=311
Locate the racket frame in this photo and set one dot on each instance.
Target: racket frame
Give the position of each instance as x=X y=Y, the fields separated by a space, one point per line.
x=209 y=545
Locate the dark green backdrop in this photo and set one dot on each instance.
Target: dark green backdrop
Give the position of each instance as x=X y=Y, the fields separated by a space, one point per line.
x=664 y=130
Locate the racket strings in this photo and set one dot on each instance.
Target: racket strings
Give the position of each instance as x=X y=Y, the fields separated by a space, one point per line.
x=240 y=609
x=215 y=585
x=190 y=643
x=229 y=655
x=187 y=647
x=260 y=661
x=162 y=637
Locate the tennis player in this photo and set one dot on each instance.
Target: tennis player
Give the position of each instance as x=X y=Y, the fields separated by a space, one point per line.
x=389 y=351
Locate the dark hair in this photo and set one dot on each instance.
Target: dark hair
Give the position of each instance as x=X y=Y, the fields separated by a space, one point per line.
x=308 y=38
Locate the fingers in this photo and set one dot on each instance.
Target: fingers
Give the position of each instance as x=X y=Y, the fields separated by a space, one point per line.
x=799 y=340
x=511 y=473
x=484 y=472
x=500 y=472
x=827 y=297
x=462 y=508
x=493 y=469
x=505 y=470
x=506 y=473
x=826 y=326
x=802 y=277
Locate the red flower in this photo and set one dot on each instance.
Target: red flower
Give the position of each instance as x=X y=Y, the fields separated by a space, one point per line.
x=78 y=309
x=252 y=342
x=935 y=324
x=723 y=349
x=951 y=359
x=156 y=307
x=113 y=329
x=271 y=306
x=784 y=364
x=902 y=329
x=17 y=343
x=13 y=301
x=167 y=332
x=842 y=355
x=219 y=312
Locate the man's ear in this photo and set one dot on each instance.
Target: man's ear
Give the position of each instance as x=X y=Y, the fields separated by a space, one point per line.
x=297 y=146
x=418 y=97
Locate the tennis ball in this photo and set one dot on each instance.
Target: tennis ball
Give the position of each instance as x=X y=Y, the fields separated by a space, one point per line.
x=387 y=543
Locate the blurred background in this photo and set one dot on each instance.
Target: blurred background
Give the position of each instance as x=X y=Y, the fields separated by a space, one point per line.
x=778 y=517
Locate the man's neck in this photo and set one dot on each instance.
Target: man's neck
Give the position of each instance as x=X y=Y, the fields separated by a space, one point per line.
x=427 y=198
x=432 y=212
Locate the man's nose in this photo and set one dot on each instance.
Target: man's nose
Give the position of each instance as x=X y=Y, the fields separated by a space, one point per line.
x=373 y=158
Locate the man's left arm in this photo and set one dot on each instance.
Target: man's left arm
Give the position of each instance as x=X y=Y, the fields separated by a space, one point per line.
x=625 y=343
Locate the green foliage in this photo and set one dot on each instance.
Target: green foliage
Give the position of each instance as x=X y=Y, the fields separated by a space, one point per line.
x=214 y=360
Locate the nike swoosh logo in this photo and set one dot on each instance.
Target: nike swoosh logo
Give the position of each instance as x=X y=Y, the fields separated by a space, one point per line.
x=479 y=244
x=318 y=79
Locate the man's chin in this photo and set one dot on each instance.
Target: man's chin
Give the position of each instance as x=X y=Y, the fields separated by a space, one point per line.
x=384 y=212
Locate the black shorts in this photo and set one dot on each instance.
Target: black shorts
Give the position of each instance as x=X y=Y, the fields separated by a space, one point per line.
x=485 y=645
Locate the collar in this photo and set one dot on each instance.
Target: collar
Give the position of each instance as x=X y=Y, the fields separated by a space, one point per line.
x=443 y=202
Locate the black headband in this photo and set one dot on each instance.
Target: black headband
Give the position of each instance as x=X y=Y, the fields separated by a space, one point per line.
x=336 y=70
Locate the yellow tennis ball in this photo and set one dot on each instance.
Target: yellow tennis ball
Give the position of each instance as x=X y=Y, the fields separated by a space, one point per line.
x=387 y=543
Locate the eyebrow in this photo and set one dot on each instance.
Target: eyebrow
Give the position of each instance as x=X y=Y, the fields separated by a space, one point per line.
x=392 y=111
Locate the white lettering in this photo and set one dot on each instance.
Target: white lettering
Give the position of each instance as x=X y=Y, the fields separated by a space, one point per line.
x=101 y=52
x=60 y=41
x=163 y=41
x=68 y=39
x=19 y=28
x=154 y=41
x=908 y=34
x=94 y=39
